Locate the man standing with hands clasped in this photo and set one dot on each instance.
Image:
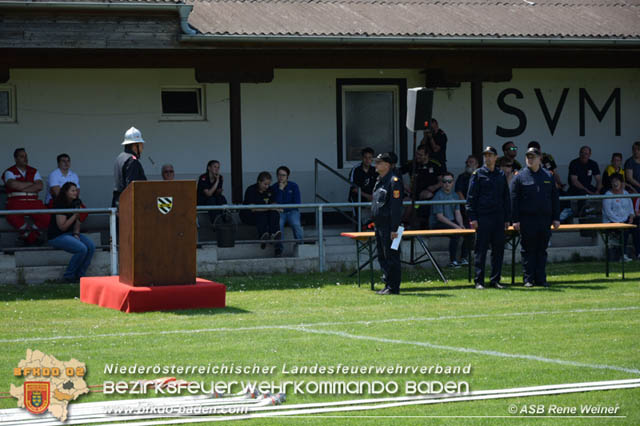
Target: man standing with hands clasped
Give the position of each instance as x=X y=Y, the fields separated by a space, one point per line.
x=535 y=206
x=489 y=210
x=386 y=211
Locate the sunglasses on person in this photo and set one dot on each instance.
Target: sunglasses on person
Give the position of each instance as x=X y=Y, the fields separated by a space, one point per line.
x=447 y=180
x=513 y=148
x=167 y=172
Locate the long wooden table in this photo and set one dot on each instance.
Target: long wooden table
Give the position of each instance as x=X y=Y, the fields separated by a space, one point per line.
x=365 y=241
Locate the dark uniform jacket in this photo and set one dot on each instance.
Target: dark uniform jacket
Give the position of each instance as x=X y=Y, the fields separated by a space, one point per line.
x=427 y=174
x=488 y=194
x=126 y=169
x=386 y=205
x=534 y=194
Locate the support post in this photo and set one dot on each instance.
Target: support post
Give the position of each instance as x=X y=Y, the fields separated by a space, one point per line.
x=113 y=233
x=476 y=118
x=235 y=133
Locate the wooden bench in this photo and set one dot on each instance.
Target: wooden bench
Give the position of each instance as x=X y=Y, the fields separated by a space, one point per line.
x=365 y=242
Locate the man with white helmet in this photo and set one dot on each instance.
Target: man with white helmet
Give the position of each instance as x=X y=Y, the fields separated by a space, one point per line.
x=127 y=167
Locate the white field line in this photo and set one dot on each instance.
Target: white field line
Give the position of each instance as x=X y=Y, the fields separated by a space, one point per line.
x=318 y=324
x=468 y=350
x=294 y=410
x=85 y=413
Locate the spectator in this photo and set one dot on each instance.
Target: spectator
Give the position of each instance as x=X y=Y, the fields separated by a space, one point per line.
x=619 y=210
x=287 y=192
x=427 y=179
x=582 y=172
x=436 y=140
x=363 y=176
x=168 y=173
x=506 y=165
x=22 y=184
x=462 y=183
x=210 y=189
x=614 y=168
x=632 y=167
x=447 y=216
x=59 y=177
x=64 y=233
x=510 y=151
x=266 y=220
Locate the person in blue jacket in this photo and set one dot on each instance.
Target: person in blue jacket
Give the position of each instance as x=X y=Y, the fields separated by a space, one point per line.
x=489 y=211
x=287 y=192
x=535 y=207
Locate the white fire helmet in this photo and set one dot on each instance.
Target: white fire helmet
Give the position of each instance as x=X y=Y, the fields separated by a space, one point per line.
x=132 y=135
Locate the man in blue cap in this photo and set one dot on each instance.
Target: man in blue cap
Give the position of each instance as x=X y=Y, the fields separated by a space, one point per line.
x=489 y=211
x=535 y=207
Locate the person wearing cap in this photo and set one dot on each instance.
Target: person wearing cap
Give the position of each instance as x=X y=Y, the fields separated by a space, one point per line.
x=22 y=184
x=535 y=207
x=127 y=167
x=386 y=211
x=489 y=210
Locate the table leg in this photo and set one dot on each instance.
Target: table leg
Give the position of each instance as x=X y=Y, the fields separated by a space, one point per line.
x=622 y=242
x=358 y=260
x=606 y=253
x=469 y=262
x=371 y=262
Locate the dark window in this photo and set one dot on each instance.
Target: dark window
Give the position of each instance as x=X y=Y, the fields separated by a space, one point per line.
x=181 y=101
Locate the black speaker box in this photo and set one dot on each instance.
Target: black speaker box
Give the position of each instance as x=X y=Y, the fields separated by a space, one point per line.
x=419 y=108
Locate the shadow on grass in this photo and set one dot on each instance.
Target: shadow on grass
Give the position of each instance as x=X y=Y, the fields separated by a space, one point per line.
x=228 y=310
x=47 y=291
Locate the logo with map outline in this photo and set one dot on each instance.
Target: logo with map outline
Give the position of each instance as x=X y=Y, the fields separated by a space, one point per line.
x=50 y=385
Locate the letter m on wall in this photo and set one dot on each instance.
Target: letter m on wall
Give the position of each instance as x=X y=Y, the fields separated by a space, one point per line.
x=599 y=113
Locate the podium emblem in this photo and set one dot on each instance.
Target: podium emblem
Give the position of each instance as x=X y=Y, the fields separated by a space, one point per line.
x=165 y=204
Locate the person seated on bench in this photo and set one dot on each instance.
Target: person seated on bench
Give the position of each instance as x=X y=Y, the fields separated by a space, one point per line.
x=287 y=192
x=210 y=189
x=267 y=220
x=59 y=177
x=447 y=216
x=22 y=184
x=427 y=180
x=64 y=233
x=620 y=210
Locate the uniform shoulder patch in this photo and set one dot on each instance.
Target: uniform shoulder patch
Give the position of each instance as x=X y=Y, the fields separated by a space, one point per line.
x=396 y=193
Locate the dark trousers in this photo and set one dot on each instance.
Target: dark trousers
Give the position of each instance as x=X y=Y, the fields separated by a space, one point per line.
x=490 y=232
x=453 y=241
x=534 y=240
x=389 y=259
x=267 y=221
x=214 y=200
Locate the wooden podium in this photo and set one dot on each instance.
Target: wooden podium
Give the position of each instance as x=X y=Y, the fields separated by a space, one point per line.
x=158 y=234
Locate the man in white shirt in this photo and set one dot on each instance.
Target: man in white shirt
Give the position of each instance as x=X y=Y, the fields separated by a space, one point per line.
x=59 y=177
x=22 y=184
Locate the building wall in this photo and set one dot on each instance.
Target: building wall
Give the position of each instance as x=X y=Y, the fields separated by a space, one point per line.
x=291 y=121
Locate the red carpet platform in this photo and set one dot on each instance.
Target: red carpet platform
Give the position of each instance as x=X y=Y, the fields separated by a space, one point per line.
x=109 y=292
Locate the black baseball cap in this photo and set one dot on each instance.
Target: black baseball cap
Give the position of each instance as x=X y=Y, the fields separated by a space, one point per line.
x=388 y=157
x=490 y=150
x=533 y=151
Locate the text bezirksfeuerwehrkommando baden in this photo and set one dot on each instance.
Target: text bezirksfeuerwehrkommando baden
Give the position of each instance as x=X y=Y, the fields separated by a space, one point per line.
x=311 y=369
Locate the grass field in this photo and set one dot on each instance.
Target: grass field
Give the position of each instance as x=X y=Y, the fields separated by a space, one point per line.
x=584 y=328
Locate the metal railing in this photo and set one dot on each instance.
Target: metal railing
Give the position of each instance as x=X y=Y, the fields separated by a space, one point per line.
x=318 y=207
x=317 y=196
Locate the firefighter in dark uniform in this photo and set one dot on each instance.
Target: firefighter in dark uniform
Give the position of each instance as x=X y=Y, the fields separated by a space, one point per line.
x=535 y=207
x=489 y=210
x=127 y=167
x=386 y=211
